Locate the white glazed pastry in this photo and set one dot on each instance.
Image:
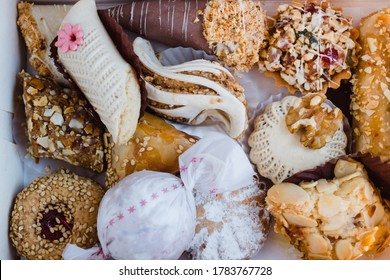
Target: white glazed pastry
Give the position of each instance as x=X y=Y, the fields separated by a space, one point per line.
x=193 y=91
x=39 y=25
x=278 y=154
x=92 y=60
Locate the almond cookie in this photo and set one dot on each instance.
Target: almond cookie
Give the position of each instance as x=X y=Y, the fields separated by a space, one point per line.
x=341 y=218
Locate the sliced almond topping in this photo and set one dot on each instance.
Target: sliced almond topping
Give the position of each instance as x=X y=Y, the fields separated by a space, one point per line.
x=330 y=205
x=299 y=220
x=344 y=250
x=317 y=244
x=288 y=193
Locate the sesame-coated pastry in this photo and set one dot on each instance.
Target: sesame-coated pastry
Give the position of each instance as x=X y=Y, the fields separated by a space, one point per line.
x=53 y=211
x=371 y=86
x=156 y=145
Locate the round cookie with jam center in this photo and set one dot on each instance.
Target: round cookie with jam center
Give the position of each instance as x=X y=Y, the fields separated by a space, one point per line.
x=53 y=211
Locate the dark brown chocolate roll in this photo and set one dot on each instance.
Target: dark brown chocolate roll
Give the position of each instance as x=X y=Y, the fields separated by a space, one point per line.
x=234 y=31
x=174 y=23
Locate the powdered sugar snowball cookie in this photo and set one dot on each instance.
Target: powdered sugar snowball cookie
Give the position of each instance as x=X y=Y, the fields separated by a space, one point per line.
x=147 y=215
x=279 y=154
x=231 y=225
x=94 y=63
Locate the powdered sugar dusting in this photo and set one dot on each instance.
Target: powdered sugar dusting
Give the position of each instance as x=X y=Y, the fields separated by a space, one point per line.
x=232 y=225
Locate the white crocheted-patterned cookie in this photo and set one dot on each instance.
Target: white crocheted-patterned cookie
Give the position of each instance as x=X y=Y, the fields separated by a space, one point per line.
x=193 y=91
x=278 y=154
x=232 y=225
x=106 y=79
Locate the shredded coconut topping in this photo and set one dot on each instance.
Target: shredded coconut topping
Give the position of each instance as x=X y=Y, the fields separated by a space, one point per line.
x=232 y=225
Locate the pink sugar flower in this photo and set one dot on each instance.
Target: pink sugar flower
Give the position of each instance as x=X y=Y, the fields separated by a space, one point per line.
x=69 y=38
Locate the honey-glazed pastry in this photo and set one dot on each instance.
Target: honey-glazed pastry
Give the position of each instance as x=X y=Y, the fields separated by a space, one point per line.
x=370 y=101
x=231 y=225
x=39 y=25
x=109 y=82
x=193 y=91
x=53 y=211
x=278 y=153
x=312 y=47
x=60 y=124
x=339 y=218
x=156 y=145
x=234 y=31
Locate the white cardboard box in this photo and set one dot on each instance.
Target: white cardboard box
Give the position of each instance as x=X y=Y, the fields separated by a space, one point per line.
x=13 y=59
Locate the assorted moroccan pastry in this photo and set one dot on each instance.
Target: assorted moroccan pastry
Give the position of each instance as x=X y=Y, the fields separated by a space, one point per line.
x=100 y=98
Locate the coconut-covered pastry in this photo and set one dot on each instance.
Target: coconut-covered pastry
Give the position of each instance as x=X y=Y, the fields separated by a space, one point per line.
x=371 y=86
x=234 y=31
x=53 y=211
x=39 y=25
x=193 y=91
x=231 y=225
x=60 y=124
x=93 y=62
x=278 y=154
x=341 y=218
x=311 y=47
x=156 y=145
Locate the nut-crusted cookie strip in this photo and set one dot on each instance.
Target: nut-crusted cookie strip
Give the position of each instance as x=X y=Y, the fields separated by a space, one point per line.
x=156 y=146
x=371 y=86
x=342 y=218
x=59 y=126
x=39 y=25
x=232 y=30
x=193 y=91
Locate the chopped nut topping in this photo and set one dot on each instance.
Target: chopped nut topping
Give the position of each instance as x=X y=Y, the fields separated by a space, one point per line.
x=317 y=122
x=58 y=125
x=311 y=47
x=236 y=31
x=370 y=102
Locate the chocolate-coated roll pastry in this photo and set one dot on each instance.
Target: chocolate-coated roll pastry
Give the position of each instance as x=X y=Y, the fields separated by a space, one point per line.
x=60 y=124
x=39 y=25
x=156 y=146
x=371 y=86
x=232 y=30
